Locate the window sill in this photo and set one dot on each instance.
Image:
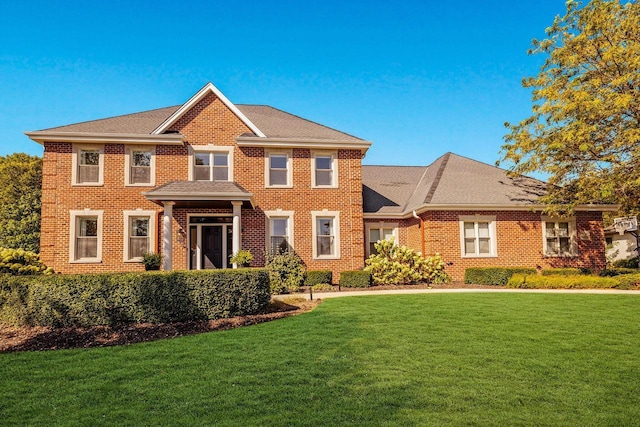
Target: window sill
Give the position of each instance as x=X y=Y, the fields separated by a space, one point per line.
x=479 y=256
x=278 y=186
x=88 y=184
x=327 y=257
x=561 y=256
x=133 y=260
x=150 y=184
x=324 y=187
x=86 y=261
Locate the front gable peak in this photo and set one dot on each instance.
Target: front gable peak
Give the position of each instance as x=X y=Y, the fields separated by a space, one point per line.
x=207 y=89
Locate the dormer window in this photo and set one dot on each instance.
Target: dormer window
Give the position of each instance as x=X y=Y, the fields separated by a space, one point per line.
x=212 y=165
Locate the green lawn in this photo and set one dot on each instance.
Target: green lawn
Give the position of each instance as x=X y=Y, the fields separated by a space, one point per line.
x=410 y=360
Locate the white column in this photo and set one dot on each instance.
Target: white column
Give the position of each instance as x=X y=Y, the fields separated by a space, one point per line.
x=167 y=247
x=237 y=209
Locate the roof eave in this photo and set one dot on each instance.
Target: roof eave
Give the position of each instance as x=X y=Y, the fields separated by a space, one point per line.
x=324 y=144
x=200 y=197
x=482 y=207
x=100 y=138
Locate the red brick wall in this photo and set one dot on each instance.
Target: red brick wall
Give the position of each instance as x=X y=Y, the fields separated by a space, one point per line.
x=208 y=122
x=518 y=237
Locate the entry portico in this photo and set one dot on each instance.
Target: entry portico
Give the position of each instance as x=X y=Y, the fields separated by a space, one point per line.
x=211 y=239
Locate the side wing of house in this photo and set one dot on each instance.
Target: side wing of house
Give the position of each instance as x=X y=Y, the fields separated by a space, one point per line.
x=197 y=182
x=475 y=215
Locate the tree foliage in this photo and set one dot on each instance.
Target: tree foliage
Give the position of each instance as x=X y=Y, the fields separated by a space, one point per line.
x=20 y=192
x=584 y=132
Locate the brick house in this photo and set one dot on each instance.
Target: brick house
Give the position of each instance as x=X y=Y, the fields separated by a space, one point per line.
x=199 y=181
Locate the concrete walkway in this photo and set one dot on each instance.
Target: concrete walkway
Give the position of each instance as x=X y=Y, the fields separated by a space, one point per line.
x=323 y=295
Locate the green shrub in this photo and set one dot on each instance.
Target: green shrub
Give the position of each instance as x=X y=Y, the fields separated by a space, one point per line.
x=152 y=261
x=109 y=299
x=19 y=262
x=319 y=287
x=399 y=265
x=613 y=271
x=583 y=281
x=316 y=277
x=243 y=258
x=626 y=263
x=494 y=275
x=286 y=272
x=562 y=272
x=355 y=279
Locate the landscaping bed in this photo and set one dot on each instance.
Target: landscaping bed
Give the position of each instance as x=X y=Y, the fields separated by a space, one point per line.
x=25 y=338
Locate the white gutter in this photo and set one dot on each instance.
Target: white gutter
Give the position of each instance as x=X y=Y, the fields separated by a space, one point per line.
x=326 y=144
x=101 y=138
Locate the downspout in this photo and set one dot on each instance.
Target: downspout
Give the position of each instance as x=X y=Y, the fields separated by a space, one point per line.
x=415 y=215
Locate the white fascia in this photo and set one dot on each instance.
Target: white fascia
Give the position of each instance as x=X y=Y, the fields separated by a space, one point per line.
x=209 y=87
x=101 y=138
x=319 y=144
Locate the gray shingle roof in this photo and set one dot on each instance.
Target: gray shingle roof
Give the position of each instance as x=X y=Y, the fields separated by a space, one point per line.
x=272 y=122
x=450 y=180
x=197 y=189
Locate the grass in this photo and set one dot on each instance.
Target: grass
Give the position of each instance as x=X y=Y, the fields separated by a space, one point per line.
x=438 y=359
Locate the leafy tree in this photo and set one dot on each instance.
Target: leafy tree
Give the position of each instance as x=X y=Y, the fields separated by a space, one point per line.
x=20 y=192
x=584 y=132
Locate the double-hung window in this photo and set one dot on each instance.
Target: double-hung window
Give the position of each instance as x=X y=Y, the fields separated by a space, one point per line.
x=211 y=163
x=559 y=237
x=279 y=231
x=323 y=170
x=478 y=237
x=278 y=169
x=139 y=234
x=85 y=243
x=377 y=232
x=88 y=165
x=140 y=166
x=326 y=232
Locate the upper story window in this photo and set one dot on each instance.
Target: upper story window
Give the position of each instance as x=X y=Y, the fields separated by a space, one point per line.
x=278 y=169
x=140 y=166
x=212 y=163
x=478 y=236
x=88 y=165
x=559 y=237
x=85 y=244
x=323 y=170
x=326 y=232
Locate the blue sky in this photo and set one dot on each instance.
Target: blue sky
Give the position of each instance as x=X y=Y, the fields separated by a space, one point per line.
x=417 y=78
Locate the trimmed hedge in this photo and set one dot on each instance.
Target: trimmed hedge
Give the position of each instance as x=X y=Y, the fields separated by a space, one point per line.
x=563 y=271
x=583 y=281
x=318 y=277
x=627 y=263
x=355 y=279
x=494 y=275
x=109 y=299
x=618 y=271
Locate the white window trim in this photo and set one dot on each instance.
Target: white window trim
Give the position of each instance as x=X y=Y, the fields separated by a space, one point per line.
x=210 y=148
x=279 y=214
x=334 y=168
x=379 y=225
x=152 y=232
x=492 y=235
x=336 y=224
x=73 y=217
x=267 y=156
x=127 y=165
x=75 y=161
x=573 y=237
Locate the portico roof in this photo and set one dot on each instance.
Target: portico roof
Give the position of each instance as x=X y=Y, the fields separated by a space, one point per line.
x=199 y=193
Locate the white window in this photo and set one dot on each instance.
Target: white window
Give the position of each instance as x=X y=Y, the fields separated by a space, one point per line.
x=326 y=234
x=379 y=231
x=139 y=234
x=478 y=236
x=279 y=231
x=559 y=237
x=85 y=236
x=211 y=163
x=324 y=170
x=278 y=169
x=140 y=166
x=88 y=165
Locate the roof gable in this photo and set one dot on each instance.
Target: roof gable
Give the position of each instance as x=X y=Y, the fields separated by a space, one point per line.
x=208 y=88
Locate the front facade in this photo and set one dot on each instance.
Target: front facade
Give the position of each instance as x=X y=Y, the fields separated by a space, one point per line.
x=200 y=181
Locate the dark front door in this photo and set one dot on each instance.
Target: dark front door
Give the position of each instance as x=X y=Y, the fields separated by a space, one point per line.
x=212 y=247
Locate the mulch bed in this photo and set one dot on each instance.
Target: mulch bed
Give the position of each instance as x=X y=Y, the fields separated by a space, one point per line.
x=25 y=338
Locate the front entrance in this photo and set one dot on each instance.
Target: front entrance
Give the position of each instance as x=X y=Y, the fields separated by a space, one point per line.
x=210 y=244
